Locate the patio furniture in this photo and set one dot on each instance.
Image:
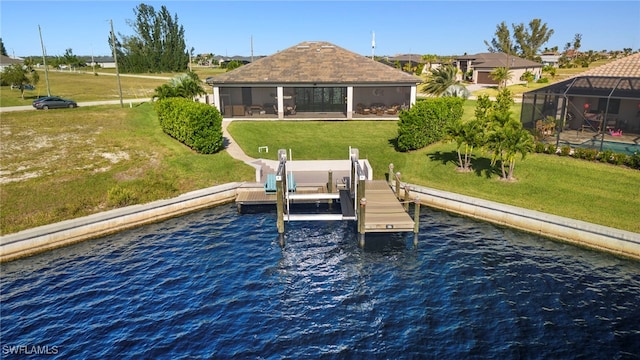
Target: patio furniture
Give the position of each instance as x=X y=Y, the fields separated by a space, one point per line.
x=592 y=121
x=544 y=128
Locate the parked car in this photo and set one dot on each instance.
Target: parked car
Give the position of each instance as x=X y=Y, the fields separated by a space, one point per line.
x=52 y=102
x=23 y=86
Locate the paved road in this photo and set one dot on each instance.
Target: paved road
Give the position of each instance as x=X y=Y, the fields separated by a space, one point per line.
x=125 y=102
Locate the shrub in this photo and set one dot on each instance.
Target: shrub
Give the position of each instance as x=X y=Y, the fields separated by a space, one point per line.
x=195 y=124
x=118 y=196
x=606 y=156
x=633 y=161
x=426 y=121
x=539 y=148
x=565 y=150
x=542 y=80
x=551 y=149
x=618 y=158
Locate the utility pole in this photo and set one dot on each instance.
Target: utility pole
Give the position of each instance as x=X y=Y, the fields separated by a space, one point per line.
x=115 y=58
x=44 y=61
x=373 y=45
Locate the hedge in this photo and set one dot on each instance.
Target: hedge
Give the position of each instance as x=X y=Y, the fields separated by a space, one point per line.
x=426 y=121
x=197 y=125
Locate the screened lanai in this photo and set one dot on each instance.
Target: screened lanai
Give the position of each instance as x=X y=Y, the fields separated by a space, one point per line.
x=601 y=112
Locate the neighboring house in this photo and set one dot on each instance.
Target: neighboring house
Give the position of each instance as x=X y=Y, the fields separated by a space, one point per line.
x=313 y=78
x=6 y=61
x=550 y=59
x=105 y=62
x=482 y=65
x=599 y=101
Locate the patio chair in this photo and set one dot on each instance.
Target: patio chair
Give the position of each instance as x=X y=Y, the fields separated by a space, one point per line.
x=592 y=121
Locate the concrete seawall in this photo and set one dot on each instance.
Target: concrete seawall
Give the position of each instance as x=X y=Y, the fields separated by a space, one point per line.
x=598 y=237
x=48 y=237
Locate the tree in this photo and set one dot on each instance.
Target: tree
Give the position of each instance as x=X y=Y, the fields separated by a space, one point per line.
x=186 y=86
x=577 y=43
x=528 y=77
x=70 y=59
x=506 y=140
x=18 y=75
x=501 y=75
x=502 y=40
x=526 y=41
x=157 y=46
x=504 y=101
x=233 y=64
x=531 y=40
x=429 y=59
x=441 y=78
x=3 y=51
x=468 y=135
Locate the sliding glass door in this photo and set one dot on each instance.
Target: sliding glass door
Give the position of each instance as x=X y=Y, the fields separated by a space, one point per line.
x=321 y=99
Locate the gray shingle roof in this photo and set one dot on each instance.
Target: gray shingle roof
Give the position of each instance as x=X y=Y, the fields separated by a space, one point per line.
x=313 y=62
x=6 y=61
x=494 y=60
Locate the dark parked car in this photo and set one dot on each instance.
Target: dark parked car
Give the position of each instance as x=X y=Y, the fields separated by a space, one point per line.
x=52 y=102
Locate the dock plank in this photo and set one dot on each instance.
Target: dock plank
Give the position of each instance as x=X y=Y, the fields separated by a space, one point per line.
x=384 y=212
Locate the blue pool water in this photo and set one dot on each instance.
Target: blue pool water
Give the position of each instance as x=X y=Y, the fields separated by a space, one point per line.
x=615 y=146
x=216 y=284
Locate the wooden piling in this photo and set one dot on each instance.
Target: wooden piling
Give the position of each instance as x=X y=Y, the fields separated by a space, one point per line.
x=330 y=187
x=361 y=221
x=416 y=215
x=398 y=185
x=280 y=203
x=406 y=198
x=391 y=173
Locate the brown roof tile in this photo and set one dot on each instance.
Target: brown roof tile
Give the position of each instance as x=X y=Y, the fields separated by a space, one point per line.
x=628 y=66
x=314 y=62
x=498 y=59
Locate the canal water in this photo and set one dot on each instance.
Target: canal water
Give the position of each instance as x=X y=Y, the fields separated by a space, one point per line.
x=216 y=284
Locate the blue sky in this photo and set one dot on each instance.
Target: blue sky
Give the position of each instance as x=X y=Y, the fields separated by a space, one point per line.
x=228 y=27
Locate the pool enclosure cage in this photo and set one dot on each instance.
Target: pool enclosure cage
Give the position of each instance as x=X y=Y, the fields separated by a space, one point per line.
x=585 y=111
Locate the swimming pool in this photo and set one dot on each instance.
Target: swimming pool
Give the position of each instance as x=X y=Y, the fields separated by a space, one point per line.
x=615 y=146
x=216 y=284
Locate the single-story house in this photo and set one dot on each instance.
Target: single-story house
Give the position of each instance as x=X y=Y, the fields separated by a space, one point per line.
x=602 y=103
x=105 y=62
x=313 y=79
x=6 y=61
x=550 y=59
x=483 y=64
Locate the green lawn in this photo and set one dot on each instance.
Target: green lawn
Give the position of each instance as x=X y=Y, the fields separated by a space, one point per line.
x=594 y=192
x=67 y=163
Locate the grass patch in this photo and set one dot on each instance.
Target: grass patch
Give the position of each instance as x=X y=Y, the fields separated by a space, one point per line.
x=593 y=192
x=67 y=163
x=81 y=87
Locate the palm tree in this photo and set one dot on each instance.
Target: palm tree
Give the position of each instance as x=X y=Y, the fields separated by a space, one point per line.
x=501 y=75
x=528 y=77
x=440 y=79
x=186 y=85
x=467 y=134
x=506 y=140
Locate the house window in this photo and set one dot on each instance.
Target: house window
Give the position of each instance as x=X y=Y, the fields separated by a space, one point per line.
x=614 y=106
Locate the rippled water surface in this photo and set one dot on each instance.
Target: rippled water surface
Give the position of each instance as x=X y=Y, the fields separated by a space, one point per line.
x=216 y=284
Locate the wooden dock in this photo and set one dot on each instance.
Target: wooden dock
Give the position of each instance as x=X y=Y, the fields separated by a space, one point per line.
x=383 y=211
x=372 y=203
